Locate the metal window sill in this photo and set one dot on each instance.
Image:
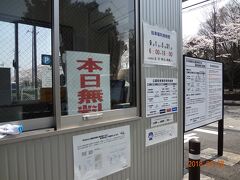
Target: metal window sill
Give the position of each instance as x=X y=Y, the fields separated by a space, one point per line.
x=43 y=133
x=98 y=125
x=29 y=135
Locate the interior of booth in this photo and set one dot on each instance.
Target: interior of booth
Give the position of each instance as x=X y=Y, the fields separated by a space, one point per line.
x=87 y=26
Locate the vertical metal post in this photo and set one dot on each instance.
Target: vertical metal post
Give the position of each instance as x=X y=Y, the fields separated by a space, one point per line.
x=16 y=62
x=214 y=30
x=138 y=74
x=194 y=159
x=34 y=62
x=214 y=38
x=221 y=122
x=55 y=63
x=220 y=137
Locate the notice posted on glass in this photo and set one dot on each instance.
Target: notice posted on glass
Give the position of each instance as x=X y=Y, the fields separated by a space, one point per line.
x=203 y=92
x=101 y=153
x=161 y=96
x=88 y=82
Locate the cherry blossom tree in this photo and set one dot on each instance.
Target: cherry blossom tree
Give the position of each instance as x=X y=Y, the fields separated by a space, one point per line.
x=219 y=39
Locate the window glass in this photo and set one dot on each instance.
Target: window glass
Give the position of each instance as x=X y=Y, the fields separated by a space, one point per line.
x=26 y=82
x=97 y=50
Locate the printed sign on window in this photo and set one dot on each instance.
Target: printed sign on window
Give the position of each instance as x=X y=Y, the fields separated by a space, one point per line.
x=88 y=82
x=46 y=76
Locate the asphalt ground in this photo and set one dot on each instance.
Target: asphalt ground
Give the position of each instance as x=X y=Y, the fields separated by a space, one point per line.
x=208 y=138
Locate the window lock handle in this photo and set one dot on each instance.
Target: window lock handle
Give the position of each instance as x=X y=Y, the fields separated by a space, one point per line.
x=92 y=116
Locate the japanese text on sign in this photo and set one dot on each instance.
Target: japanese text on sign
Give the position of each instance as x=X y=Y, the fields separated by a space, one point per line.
x=160 y=46
x=161 y=96
x=86 y=74
x=203 y=92
x=87 y=96
x=160 y=34
x=99 y=154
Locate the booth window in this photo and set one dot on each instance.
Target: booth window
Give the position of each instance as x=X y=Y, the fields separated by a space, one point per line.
x=25 y=60
x=97 y=55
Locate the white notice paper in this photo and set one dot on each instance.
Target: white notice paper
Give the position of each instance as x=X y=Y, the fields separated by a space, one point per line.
x=46 y=76
x=161 y=134
x=101 y=153
x=160 y=46
x=161 y=96
x=160 y=120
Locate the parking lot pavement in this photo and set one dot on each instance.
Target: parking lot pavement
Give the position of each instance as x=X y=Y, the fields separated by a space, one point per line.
x=231 y=155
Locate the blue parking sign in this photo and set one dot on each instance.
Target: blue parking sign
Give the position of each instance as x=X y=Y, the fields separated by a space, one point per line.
x=46 y=59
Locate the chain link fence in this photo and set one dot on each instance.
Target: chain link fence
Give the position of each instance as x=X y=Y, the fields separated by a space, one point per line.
x=22 y=47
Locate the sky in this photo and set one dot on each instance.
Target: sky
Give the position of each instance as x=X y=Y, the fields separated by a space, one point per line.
x=192 y=17
x=7 y=45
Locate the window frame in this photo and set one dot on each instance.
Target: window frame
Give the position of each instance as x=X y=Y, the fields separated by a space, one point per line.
x=72 y=121
x=77 y=120
x=34 y=123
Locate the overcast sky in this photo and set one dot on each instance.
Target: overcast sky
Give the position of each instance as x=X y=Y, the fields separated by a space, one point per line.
x=192 y=17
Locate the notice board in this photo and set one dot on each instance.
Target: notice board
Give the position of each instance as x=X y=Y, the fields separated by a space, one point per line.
x=203 y=92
